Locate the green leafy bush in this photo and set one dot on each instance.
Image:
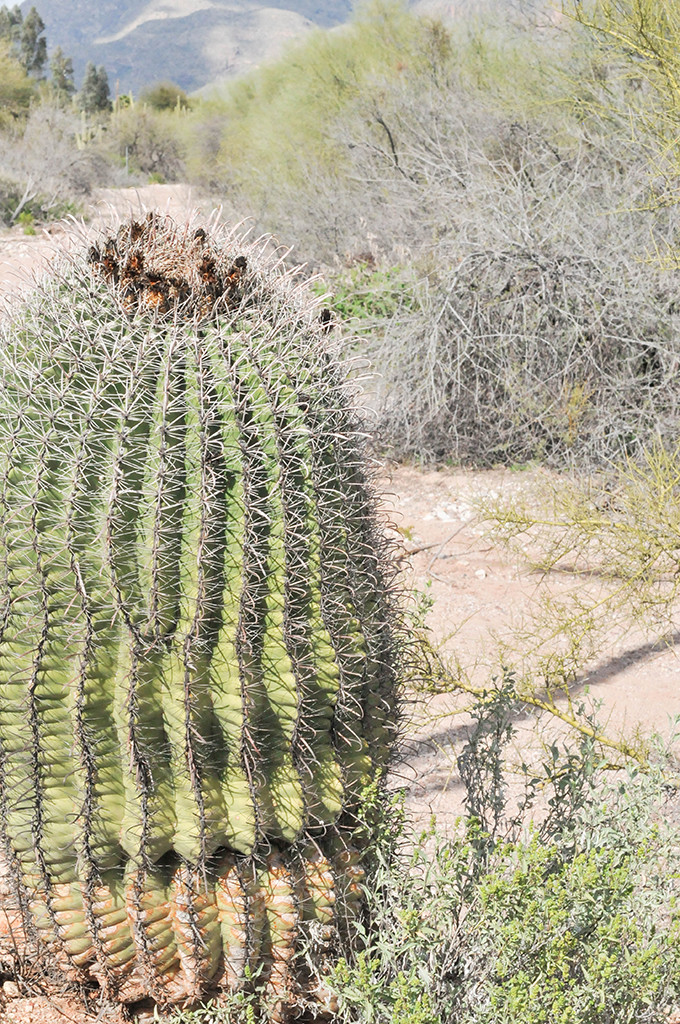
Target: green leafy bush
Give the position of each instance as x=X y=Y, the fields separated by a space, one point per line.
x=366 y=294
x=165 y=96
x=560 y=925
x=25 y=219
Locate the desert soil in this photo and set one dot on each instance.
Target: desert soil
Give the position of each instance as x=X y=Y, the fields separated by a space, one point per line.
x=474 y=587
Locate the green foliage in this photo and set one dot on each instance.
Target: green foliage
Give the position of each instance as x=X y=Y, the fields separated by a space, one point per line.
x=25 y=220
x=240 y=1008
x=404 y=996
x=16 y=88
x=575 y=920
x=94 y=95
x=61 y=71
x=370 y=293
x=165 y=96
x=568 y=940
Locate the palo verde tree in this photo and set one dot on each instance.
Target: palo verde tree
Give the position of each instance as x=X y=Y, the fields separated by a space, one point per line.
x=641 y=38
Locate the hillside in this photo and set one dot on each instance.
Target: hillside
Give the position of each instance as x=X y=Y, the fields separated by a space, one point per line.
x=192 y=42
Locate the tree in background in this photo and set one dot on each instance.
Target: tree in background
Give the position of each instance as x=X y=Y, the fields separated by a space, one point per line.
x=165 y=96
x=16 y=88
x=94 y=94
x=61 y=69
x=26 y=38
x=33 y=45
x=150 y=139
x=11 y=20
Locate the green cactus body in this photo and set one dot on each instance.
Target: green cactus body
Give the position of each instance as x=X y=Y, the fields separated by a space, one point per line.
x=271 y=686
x=197 y=653
x=222 y=582
x=308 y=642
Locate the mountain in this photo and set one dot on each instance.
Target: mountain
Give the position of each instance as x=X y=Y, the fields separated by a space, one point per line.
x=191 y=42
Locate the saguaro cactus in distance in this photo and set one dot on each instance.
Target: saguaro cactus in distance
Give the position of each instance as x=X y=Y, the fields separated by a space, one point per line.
x=197 y=656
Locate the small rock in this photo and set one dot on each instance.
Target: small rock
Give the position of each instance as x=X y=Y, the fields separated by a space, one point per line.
x=480 y=574
x=11 y=990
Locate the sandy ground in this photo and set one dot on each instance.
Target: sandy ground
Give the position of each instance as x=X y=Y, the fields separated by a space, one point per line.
x=475 y=589
x=479 y=591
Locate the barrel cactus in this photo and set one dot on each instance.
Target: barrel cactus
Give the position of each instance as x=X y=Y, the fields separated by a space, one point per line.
x=197 y=645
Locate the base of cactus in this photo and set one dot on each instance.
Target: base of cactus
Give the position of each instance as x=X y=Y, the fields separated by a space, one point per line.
x=177 y=935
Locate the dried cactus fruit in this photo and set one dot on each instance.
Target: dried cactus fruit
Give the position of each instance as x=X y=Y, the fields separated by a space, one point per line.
x=197 y=648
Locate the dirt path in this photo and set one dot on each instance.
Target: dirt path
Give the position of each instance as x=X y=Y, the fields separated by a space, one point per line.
x=472 y=586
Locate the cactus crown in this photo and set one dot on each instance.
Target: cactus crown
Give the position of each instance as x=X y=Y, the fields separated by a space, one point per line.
x=197 y=656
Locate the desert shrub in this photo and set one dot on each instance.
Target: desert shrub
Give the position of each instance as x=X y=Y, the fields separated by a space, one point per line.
x=489 y=239
x=303 y=139
x=572 y=920
x=50 y=152
x=638 y=41
x=534 y=327
x=520 y=355
x=22 y=203
x=152 y=138
x=165 y=96
x=531 y=327
x=617 y=534
x=569 y=918
x=276 y=121
x=44 y=168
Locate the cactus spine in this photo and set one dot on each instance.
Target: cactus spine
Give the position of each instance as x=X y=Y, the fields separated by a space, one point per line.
x=197 y=655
